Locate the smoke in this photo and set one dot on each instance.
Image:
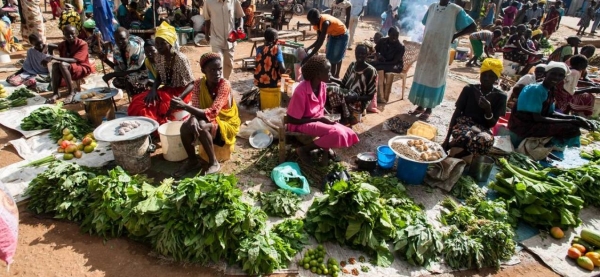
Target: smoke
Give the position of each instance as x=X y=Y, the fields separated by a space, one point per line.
x=410 y=20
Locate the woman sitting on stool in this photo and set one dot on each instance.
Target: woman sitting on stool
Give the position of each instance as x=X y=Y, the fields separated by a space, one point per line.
x=214 y=116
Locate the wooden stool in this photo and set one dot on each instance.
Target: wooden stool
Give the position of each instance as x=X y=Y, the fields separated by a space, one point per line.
x=222 y=153
x=248 y=63
x=96 y=111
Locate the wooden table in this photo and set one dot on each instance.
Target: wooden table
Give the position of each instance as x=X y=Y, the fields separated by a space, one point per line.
x=282 y=35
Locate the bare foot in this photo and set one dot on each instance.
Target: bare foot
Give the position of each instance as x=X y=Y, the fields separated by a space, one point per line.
x=52 y=100
x=189 y=165
x=70 y=99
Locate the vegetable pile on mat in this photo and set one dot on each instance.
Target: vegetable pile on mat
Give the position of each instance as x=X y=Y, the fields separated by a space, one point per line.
x=56 y=119
x=480 y=234
x=202 y=219
x=538 y=198
x=280 y=202
x=366 y=212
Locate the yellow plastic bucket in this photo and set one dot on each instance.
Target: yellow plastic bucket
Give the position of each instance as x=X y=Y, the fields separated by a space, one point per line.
x=451 y=56
x=270 y=98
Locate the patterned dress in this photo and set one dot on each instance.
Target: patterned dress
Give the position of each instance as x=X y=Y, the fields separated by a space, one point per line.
x=131 y=60
x=33 y=22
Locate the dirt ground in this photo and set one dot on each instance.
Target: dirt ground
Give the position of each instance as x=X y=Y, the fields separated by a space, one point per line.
x=49 y=247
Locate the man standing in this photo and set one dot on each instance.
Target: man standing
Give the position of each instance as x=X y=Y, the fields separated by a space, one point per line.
x=340 y=9
x=221 y=17
x=356 y=11
x=534 y=13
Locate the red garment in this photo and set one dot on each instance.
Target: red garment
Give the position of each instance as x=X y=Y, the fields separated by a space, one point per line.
x=78 y=51
x=578 y=104
x=551 y=22
x=55 y=6
x=159 y=111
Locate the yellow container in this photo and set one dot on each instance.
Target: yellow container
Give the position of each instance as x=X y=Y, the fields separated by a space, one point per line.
x=422 y=129
x=270 y=98
x=452 y=55
x=222 y=153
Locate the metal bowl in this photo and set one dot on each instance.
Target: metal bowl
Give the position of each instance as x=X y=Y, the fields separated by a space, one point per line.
x=366 y=160
x=261 y=139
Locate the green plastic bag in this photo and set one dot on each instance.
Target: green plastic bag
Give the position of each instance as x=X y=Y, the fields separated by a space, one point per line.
x=289 y=172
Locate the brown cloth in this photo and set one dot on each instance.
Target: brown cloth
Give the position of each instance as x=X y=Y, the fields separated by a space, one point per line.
x=445 y=173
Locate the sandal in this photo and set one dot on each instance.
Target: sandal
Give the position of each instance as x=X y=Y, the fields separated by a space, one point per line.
x=70 y=100
x=333 y=156
x=424 y=116
x=213 y=170
x=51 y=100
x=416 y=112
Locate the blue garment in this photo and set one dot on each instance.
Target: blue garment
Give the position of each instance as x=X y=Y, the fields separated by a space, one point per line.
x=104 y=19
x=488 y=19
x=429 y=83
x=336 y=48
x=122 y=10
x=148 y=19
x=33 y=62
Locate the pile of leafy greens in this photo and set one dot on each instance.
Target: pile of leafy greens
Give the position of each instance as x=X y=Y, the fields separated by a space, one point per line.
x=292 y=232
x=62 y=189
x=367 y=212
x=466 y=187
x=56 y=119
x=537 y=197
x=280 y=202
x=479 y=233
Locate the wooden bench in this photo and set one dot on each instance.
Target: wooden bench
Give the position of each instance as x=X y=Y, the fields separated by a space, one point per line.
x=294 y=35
x=283 y=133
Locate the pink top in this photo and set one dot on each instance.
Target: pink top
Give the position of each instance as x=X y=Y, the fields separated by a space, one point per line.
x=305 y=104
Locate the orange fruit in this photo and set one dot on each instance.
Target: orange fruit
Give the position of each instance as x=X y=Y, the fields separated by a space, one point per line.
x=574 y=253
x=557 y=233
x=579 y=247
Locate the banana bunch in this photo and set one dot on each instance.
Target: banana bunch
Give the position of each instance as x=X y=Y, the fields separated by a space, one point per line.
x=3 y=93
x=589 y=138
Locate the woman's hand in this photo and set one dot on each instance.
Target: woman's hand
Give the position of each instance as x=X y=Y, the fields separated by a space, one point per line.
x=485 y=105
x=151 y=97
x=107 y=77
x=583 y=123
x=326 y=121
x=177 y=103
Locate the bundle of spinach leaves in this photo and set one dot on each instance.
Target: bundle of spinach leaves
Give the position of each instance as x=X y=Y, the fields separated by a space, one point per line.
x=461 y=250
x=466 y=187
x=264 y=252
x=147 y=204
x=111 y=202
x=280 y=202
x=419 y=242
x=205 y=220
x=62 y=189
x=292 y=232
x=56 y=119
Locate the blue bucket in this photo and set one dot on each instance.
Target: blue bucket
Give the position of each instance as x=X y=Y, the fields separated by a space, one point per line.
x=409 y=172
x=385 y=157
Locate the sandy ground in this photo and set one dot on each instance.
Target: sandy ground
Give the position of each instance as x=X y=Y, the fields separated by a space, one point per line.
x=49 y=247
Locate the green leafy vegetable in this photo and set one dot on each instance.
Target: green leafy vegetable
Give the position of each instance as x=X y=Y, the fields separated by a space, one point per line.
x=62 y=189
x=461 y=250
x=20 y=93
x=292 y=232
x=466 y=187
x=56 y=119
x=280 y=202
x=262 y=253
x=419 y=243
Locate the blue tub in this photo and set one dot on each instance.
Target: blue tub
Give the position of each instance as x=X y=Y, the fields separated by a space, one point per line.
x=386 y=158
x=410 y=172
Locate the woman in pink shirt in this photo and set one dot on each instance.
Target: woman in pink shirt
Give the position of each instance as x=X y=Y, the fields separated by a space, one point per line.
x=306 y=109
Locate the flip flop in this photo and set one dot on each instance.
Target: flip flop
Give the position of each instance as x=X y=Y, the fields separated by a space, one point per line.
x=424 y=116
x=333 y=156
x=416 y=112
x=70 y=100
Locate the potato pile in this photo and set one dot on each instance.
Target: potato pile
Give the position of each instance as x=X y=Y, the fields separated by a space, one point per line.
x=419 y=150
x=89 y=95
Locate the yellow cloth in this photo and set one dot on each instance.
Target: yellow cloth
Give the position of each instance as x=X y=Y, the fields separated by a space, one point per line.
x=228 y=119
x=536 y=32
x=494 y=65
x=336 y=26
x=150 y=68
x=167 y=32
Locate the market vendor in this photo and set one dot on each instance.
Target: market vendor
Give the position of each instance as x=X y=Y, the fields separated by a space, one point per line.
x=335 y=31
x=389 y=59
x=269 y=64
x=306 y=112
x=32 y=66
x=128 y=63
x=72 y=65
x=534 y=114
x=516 y=50
x=214 y=116
x=174 y=78
x=531 y=78
x=353 y=94
x=574 y=95
x=563 y=53
x=478 y=108
x=482 y=42
x=92 y=36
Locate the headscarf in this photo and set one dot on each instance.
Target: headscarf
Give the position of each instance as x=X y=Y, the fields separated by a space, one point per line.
x=89 y=24
x=536 y=32
x=494 y=65
x=208 y=57
x=167 y=32
x=541 y=66
x=558 y=65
